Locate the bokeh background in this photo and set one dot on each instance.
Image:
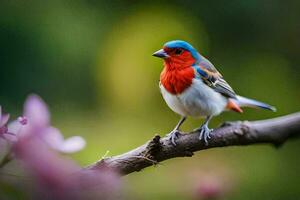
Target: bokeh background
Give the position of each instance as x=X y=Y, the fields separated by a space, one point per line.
x=90 y=60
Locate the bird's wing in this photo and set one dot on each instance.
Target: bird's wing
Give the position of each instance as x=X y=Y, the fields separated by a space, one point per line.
x=211 y=77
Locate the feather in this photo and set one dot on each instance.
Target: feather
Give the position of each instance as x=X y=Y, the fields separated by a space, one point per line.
x=246 y=102
x=211 y=77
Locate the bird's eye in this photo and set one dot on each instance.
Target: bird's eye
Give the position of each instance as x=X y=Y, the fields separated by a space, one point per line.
x=178 y=51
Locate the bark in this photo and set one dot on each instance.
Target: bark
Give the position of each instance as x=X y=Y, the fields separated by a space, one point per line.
x=273 y=131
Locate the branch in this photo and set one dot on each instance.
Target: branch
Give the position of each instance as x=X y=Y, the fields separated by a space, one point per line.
x=275 y=131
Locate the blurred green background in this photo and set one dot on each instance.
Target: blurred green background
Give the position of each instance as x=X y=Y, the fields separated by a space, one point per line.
x=90 y=60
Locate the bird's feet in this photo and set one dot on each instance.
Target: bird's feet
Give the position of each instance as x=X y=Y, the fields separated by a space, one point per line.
x=173 y=136
x=204 y=133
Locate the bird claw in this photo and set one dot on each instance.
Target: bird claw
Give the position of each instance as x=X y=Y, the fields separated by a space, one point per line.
x=173 y=135
x=204 y=133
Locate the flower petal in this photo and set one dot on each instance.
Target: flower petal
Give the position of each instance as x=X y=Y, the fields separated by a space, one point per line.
x=73 y=144
x=10 y=137
x=4 y=119
x=23 y=120
x=35 y=109
x=53 y=138
x=14 y=127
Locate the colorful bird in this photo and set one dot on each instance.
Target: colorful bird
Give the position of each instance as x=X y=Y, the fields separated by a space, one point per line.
x=192 y=86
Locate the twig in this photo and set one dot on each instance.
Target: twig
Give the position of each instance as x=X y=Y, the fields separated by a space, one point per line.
x=274 y=131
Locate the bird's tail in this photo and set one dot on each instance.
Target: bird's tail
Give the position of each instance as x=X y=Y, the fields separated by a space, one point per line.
x=245 y=102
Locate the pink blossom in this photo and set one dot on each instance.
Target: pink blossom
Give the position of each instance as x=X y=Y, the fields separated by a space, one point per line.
x=209 y=189
x=213 y=186
x=23 y=120
x=5 y=132
x=37 y=120
x=3 y=118
x=37 y=145
x=57 y=177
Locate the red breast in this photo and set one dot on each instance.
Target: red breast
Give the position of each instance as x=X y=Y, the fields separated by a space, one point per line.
x=176 y=80
x=178 y=72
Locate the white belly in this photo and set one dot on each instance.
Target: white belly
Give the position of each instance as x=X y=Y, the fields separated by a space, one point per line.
x=196 y=101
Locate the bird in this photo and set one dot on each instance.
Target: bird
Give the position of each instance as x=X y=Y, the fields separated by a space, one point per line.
x=192 y=87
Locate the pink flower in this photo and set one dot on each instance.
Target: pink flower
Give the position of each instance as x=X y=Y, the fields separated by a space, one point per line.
x=57 y=177
x=213 y=186
x=5 y=132
x=22 y=120
x=209 y=189
x=36 y=145
x=37 y=120
x=3 y=118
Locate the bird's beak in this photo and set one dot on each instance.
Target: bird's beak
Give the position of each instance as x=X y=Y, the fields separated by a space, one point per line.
x=160 y=53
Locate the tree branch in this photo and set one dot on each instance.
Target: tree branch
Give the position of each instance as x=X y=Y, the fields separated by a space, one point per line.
x=275 y=131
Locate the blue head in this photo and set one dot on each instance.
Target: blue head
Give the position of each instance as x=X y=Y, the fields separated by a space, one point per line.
x=176 y=48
